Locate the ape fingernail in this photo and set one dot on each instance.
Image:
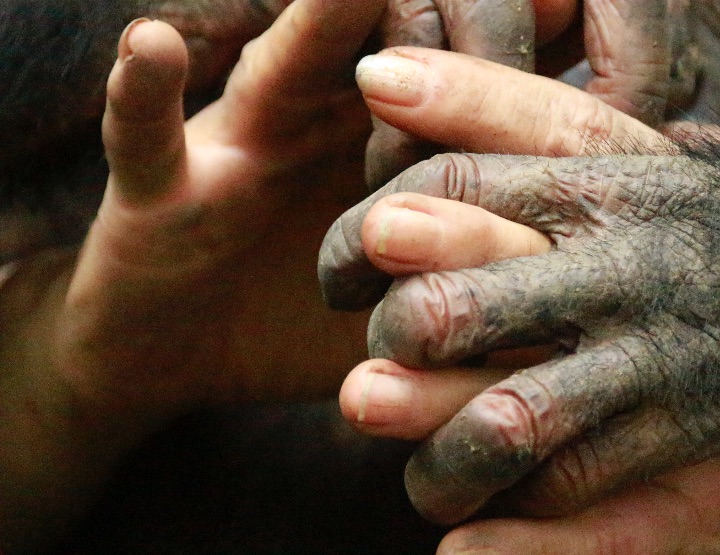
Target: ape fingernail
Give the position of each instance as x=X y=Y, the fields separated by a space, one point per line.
x=124 y=51
x=392 y=79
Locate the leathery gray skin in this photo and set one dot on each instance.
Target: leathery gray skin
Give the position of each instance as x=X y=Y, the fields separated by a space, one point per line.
x=631 y=289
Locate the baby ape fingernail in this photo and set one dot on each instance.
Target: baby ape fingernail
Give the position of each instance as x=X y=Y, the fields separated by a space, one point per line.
x=124 y=51
x=392 y=79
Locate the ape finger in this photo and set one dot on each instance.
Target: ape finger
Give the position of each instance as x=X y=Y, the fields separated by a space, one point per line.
x=440 y=319
x=628 y=47
x=504 y=432
x=560 y=197
x=626 y=449
x=143 y=124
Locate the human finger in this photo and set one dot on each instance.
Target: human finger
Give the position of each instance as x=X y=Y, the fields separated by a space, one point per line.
x=503 y=32
x=380 y=397
x=407 y=233
x=417 y=90
x=383 y=398
x=628 y=46
x=671 y=515
x=143 y=124
x=280 y=85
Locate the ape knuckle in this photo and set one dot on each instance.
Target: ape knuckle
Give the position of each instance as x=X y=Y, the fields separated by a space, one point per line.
x=518 y=411
x=569 y=477
x=462 y=175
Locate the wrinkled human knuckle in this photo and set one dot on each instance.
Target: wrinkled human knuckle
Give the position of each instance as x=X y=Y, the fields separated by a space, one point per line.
x=588 y=132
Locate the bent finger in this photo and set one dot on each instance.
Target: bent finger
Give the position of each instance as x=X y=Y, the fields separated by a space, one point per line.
x=407 y=233
x=143 y=124
x=625 y=450
x=281 y=82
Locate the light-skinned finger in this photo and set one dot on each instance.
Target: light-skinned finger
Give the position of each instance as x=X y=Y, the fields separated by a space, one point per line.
x=417 y=90
x=281 y=83
x=382 y=398
x=407 y=233
x=143 y=124
x=503 y=32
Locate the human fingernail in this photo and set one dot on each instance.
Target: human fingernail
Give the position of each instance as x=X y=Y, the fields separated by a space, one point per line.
x=381 y=392
x=124 y=51
x=407 y=236
x=393 y=79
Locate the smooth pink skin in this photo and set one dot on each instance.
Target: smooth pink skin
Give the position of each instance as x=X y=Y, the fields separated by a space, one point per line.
x=407 y=233
x=207 y=234
x=674 y=514
x=382 y=398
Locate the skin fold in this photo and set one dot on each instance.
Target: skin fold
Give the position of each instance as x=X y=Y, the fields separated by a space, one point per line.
x=674 y=420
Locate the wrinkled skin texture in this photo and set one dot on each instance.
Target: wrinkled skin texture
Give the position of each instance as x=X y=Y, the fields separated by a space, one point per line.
x=640 y=343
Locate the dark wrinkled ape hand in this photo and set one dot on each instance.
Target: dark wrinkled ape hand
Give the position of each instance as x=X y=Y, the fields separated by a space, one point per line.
x=631 y=284
x=638 y=55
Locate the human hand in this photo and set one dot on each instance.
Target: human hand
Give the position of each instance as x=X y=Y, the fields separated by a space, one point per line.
x=649 y=59
x=670 y=514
